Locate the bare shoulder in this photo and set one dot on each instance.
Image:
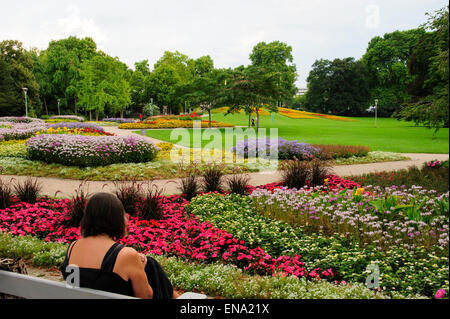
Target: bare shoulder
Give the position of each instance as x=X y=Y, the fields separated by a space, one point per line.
x=128 y=253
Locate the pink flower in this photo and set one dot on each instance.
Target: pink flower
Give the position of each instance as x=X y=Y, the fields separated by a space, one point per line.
x=439 y=294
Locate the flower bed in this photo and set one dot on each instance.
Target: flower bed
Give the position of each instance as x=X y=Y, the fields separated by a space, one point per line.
x=228 y=281
x=177 y=234
x=67 y=117
x=432 y=178
x=13 y=148
x=20 y=119
x=75 y=131
x=412 y=268
x=84 y=151
x=119 y=120
x=302 y=151
x=230 y=229
x=286 y=149
x=170 y=123
x=296 y=114
x=402 y=217
x=76 y=125
x=20 y=130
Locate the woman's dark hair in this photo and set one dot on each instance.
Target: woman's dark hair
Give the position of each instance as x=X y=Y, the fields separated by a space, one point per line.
x=104 y=214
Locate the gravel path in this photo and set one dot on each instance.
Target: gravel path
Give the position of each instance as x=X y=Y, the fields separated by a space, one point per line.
x=66 y=187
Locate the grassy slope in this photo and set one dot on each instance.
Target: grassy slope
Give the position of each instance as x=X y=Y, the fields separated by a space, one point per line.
x=391 y=135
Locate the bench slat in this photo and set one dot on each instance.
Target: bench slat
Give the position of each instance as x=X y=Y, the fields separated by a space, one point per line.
x=36 y=288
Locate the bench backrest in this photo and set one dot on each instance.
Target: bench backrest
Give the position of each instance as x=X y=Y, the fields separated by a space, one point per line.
x=29 y=287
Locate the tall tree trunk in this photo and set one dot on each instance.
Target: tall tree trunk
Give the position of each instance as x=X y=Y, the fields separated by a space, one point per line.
x=96 y=115
x=75 y=105
x=121 y=114
x=45 y=105
x=90 y=115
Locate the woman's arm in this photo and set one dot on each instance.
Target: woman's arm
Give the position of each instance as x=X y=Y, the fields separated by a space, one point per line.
x=132 y=266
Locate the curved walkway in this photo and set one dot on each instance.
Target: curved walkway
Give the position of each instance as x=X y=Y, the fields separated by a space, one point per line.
x=67 y=187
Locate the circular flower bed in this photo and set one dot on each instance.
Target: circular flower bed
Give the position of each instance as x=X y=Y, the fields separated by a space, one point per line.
x=67 y=117
x=75 y=131
x=286 y=149
x=19 y=128
x=76 y=125
x=77 y=150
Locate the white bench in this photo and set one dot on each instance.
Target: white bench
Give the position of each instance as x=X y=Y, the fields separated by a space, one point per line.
x=29 y=287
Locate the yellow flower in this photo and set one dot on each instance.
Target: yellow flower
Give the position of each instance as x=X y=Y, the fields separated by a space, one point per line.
x=326 y=180
x=359 y=191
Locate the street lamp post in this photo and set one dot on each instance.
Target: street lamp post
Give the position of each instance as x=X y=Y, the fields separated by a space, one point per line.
x=376 y=111
x=25 y=90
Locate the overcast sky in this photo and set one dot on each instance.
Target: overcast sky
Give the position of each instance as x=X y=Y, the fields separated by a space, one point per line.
x=226 y=30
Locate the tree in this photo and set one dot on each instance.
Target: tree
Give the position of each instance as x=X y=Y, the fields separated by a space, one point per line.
x=171 y=70
x=251 y=88
x=207 y=89
x=63 y=65
x=140 y=92
x=16 y=72
x=340 y=87
x=104 y=84
x=387 y=61
x=430 y=67
x=277 y=56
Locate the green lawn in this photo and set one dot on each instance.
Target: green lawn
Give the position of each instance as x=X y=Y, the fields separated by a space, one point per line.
x=390 y=135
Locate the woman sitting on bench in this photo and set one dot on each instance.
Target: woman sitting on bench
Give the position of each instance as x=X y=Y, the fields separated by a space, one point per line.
x=108 y=266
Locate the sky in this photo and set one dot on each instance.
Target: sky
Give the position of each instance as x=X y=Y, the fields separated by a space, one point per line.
x=226 y=30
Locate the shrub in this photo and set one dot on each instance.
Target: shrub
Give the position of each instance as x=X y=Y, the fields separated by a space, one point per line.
x=150 y=206
x=129 y=193
x=76 y=206
x=77 y=150
x=237 y=184
x=341 y=151
x=319 y=171
x=212 y=178
x=6 y=195
x=29 y=190
x=189 y=186
x=295 y=173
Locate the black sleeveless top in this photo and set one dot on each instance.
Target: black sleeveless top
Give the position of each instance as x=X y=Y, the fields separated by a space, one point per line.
x=101 y=279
